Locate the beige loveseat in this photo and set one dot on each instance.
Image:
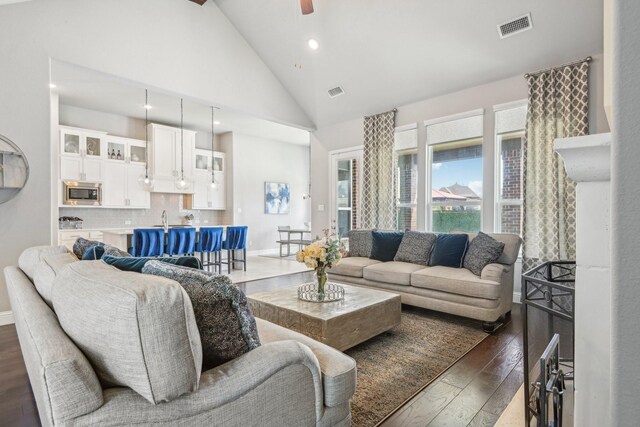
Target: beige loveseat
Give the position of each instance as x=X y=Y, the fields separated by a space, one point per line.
x=450 y=290
x=289 y=380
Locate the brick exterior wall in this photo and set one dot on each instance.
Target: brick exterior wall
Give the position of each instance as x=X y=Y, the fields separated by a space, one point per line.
x=511 y=216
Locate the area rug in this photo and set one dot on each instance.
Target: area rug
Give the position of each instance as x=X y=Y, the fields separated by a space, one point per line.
x=399 y=363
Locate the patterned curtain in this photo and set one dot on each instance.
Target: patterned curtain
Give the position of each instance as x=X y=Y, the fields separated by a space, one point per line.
x=378 y=187
x=558 y=108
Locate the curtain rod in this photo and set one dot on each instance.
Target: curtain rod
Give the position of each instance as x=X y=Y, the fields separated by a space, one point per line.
x=395 y=110
x=587 y=59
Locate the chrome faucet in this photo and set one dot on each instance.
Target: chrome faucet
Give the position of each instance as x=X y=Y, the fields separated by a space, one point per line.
x=165 y=220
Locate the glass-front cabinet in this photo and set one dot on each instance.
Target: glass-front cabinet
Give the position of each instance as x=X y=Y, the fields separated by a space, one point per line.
x=81 y=154
x=206 y=196
x=126 y=150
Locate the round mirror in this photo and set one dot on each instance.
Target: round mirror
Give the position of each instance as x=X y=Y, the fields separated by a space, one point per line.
x=14 y=169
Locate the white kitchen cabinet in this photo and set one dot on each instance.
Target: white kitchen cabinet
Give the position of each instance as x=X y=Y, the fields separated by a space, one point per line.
x=219 y=194
x=201 y=191
x=81 y=154
x=121 y=189
x=137 y=197
x=169 y=154
x=69 y=237
x=114 y=188
x=205 y=197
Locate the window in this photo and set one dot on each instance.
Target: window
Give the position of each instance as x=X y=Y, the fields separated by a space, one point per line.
x=510 y=123
x=406 y=145
x=455 y=174
x=345 y=196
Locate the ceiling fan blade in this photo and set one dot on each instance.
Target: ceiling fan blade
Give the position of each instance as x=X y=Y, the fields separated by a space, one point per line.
x=200 y=2
x=307 y=6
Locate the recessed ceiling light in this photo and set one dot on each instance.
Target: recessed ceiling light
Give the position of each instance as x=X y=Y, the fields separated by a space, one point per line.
x=313 y=44
x=52 y=86
x=216 y=122
x=148 y=107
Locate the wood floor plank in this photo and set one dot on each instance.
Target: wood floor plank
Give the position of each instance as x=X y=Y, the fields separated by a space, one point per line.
x=463 y=372
x=484 y=419
x=426 y=407
x=498 y=402
x=462 y=410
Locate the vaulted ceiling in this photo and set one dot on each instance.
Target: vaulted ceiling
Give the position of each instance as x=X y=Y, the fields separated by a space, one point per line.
x=387 y=53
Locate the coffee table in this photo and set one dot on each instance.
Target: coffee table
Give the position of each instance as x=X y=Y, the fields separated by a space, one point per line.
x=363 y=314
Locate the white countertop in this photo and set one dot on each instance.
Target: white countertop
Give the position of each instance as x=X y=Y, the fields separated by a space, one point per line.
x=127 y=231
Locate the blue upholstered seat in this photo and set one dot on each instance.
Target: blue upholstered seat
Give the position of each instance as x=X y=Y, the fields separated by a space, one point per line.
x=210 y=242
x=236 y=240
x=148 y=242
x=181 y=241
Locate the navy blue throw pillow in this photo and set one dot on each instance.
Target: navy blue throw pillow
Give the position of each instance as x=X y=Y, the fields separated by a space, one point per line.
x=93 y=252
x=449 y=250
x=385 y=244
x=137 y=263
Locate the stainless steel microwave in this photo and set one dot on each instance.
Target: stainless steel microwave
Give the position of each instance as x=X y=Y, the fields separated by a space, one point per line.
x=82 y=193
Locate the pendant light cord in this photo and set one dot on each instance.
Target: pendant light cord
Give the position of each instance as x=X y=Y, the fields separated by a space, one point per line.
x=146 y=134
x=213 y=136
x=181 y=140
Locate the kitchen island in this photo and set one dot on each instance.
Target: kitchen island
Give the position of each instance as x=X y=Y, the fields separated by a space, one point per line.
x=123 y=238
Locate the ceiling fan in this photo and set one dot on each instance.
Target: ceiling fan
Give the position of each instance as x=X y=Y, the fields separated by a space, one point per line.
x=305 y=5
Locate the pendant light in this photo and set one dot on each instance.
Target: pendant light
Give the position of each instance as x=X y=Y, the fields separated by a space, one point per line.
x=213 y=136
x=181 y=181
x=146 y=181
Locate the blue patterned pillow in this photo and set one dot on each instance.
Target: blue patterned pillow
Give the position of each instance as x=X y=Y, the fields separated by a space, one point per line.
x=94 y=252
x=81 y=245
x=136 y=264
x=227 y=326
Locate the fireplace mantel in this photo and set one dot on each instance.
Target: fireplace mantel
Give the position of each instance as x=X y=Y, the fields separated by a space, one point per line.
x=587 y=160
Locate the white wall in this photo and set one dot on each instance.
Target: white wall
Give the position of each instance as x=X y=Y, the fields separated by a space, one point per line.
x=114 y=124
x=256 y=160
x=625 y=230
x=350 y=133
x=171 y=45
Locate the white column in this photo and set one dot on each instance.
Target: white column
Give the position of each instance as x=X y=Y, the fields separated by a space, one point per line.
x=587 y=160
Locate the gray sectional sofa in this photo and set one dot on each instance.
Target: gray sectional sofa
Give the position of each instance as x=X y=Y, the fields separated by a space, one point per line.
x=289 y=380
x=457 y=291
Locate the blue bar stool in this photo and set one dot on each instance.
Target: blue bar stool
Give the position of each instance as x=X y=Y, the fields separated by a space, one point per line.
x=236 y=240
x=181 y=241
x=148 y=242
x=211 y=242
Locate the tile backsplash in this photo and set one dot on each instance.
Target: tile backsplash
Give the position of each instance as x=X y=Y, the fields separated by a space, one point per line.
x=117 y=218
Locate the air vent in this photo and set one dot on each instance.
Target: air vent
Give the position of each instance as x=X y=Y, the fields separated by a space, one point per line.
x=515 y=26
x=335 y=91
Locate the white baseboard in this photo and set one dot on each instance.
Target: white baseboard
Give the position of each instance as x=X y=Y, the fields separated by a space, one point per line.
x=6 y=318
x=516 y=297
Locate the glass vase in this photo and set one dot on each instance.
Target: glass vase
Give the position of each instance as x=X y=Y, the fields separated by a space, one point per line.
x=321 y=275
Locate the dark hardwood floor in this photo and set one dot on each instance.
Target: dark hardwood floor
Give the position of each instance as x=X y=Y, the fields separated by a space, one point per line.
x=473 y=392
